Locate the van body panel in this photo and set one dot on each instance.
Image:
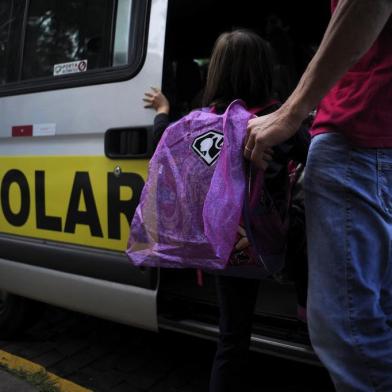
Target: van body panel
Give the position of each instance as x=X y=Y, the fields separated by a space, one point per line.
x=117 y=302
x=96 y=108
x=53 y=162
x=78 y=260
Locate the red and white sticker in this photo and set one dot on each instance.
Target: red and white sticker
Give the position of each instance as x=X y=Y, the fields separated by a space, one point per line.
x=48 y=129
x=70 y=68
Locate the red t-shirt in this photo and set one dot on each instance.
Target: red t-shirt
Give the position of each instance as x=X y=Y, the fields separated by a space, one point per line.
x=360 y=104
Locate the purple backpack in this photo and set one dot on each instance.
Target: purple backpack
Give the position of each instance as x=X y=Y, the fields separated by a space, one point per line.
x=197 y=192
x=192 y=201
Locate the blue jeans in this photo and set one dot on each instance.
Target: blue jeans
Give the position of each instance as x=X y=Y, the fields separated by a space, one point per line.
x=348 y=199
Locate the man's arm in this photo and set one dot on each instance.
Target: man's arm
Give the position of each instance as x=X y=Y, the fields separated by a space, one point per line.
x=353 y=28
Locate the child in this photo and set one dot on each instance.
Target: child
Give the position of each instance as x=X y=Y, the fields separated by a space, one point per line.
x=240 y=68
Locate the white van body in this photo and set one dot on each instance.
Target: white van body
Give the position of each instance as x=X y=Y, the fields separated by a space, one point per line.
x=69 y=126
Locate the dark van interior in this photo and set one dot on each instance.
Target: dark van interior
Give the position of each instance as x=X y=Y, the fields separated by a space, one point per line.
x=294 y=30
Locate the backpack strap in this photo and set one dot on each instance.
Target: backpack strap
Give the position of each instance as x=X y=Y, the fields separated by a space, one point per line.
x=246 y=215
x=254 y=110
x=263 y=108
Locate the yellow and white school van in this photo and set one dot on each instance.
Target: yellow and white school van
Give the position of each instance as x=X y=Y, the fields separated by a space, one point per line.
x=75 y=141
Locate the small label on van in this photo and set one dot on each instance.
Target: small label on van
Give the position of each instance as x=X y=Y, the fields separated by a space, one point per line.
x=70 y=68
x=44 y=129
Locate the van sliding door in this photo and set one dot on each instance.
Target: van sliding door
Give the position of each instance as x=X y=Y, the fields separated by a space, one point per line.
x=75 y=138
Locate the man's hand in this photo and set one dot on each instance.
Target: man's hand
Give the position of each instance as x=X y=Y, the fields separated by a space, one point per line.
x=267 y=131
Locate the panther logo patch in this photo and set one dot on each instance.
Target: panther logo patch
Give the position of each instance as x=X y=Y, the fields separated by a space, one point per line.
x=208 y=146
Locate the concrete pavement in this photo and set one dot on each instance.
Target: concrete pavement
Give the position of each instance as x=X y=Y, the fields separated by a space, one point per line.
x=11 y=383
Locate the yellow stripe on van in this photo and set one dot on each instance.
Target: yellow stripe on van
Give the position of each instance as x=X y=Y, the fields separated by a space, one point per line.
x=85 y=200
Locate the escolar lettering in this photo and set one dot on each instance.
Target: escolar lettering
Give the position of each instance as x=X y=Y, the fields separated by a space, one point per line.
x=15 y=218
x=81 y=189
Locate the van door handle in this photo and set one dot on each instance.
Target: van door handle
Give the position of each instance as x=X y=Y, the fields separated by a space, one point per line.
x=129 y=143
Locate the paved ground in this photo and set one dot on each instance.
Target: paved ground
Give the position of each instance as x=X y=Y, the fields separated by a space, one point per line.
x=105 y=356
x=9 y=383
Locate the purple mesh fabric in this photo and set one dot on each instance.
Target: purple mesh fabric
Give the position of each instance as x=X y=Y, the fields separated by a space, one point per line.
x=192 y=201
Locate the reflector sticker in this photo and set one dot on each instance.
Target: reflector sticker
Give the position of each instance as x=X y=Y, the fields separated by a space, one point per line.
x=22 y=130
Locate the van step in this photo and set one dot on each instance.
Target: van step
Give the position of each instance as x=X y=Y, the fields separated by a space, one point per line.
x=259 y=343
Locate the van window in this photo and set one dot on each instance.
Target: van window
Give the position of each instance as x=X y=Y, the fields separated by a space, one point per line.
x=11 y=20
x=55 y=38
x=60 y=32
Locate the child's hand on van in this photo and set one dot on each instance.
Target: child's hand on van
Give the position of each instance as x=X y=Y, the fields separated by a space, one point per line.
x=155 y=99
